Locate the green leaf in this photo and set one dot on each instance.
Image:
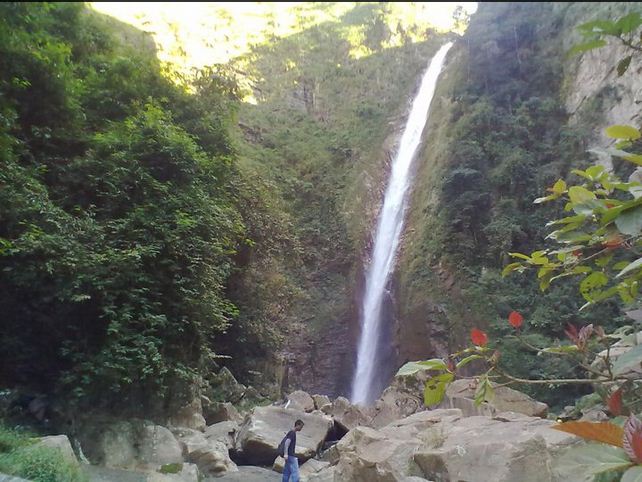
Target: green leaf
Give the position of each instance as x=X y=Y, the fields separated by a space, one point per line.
x=586 y=46
x=608 y=27
x=411 y=368
x=520 y=256
x=485 y=392
x=435 y=388
x=634 y=158
x=579 y=194
x=594 y=172
x=579 y=218
x=622 y=132
x=603 y=261
x=634 y=474
x=559 y=187
x=629 y=23
x=626 y=361
x=467 y=360
x=544 y=199
x=630 y=221
x=590 y=286
x=509 y=268
x=559 y=349
x=631 y=266
x=589 y=460
x=623 y=65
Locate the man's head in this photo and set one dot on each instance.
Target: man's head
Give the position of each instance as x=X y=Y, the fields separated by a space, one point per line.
x=298 y=425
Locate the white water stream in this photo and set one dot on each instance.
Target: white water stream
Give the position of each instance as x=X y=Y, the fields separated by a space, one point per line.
x=388 y=232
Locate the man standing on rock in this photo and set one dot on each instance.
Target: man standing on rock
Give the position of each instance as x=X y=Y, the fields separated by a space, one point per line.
x=291 y=468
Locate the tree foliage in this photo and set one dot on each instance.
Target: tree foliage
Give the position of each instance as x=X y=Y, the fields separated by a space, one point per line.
x=118 y=217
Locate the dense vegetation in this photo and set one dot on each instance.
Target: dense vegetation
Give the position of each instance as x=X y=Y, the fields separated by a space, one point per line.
x=118 y=220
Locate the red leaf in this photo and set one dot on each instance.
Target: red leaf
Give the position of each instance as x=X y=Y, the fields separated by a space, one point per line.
x=614 y=242
x=478 y=337
x=604 y=432
x=515 y=319
x=632 y=442
x=614 y=402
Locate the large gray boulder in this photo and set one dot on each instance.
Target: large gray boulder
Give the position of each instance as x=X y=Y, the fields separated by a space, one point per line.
x=311 y=467
x=265 y=427
x=325 y=475
x=210 y=456
x=507 y=448
x=111 y=444
x=461 y=394
x=216 y=412
x=134 y=444
x=158 y=446
x=300 y=400
x=444 y=445
x=189 y=416
x=321 y=402
x=223 y=432
x=348 y=416
x=367 y=455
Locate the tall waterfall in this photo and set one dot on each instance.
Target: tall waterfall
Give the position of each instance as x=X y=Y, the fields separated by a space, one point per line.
x=387 y=236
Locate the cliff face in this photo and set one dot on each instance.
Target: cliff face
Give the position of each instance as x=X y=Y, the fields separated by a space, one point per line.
x=511 y=115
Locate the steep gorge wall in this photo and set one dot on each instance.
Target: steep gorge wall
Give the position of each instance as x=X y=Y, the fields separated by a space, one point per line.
x=511 y=115
x=319 y=138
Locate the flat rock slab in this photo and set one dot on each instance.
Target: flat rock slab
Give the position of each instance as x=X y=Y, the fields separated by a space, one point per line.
x=248 y=474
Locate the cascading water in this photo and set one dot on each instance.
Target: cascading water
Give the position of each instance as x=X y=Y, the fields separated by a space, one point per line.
x=388 y=232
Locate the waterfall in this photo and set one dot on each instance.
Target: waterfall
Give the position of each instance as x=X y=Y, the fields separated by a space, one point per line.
x=389 y=230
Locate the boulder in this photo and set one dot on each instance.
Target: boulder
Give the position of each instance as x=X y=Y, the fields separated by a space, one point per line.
x=348 y=416
x=210 y=456
x=300 y=400
x=279 y=464
x=367 y=455
x=223 y=432
x=189 y=416
x=61 y=444
x=396 y=403
x=321 y=402
x=229 y=389
x=631 y=365
x=158 y=446
x=312 y=466
x=265 y=427
x=510 y=447
x=461 y=394
x=111 y=444
x=445 y=445
x=325 y=475
x=216 y=412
